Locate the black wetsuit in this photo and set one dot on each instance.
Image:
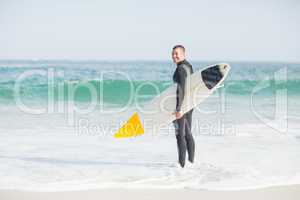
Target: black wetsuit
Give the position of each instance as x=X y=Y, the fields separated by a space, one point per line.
x=185 y=140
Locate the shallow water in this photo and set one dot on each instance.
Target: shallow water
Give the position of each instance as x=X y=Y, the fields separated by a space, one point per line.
x=47 y=144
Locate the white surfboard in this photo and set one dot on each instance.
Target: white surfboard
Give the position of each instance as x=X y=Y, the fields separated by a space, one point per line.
x=159 y=112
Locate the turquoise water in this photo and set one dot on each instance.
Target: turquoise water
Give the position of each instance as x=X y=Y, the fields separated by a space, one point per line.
x=250 y=87
x=116 y=82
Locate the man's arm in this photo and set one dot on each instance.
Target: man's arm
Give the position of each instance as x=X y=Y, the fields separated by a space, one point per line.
x=180 y=88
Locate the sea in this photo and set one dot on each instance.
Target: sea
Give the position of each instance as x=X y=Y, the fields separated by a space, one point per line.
x=58 y=117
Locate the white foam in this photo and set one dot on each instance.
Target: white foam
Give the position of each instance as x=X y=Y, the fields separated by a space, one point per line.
x=62 y=160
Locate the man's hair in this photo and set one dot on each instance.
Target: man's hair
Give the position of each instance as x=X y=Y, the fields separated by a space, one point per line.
x=180 y=47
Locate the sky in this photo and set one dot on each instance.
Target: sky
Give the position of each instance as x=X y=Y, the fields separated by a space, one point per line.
x=147 y=30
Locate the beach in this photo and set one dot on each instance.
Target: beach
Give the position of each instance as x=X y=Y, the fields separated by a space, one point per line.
x=291 y=192
x=139 y=100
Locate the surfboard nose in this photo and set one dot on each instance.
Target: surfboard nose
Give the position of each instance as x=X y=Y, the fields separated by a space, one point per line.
x=224 y=68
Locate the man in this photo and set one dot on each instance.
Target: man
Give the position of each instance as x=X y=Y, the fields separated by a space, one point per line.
x=183 y=122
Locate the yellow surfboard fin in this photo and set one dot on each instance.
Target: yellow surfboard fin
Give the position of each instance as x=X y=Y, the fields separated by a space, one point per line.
x=133 y=127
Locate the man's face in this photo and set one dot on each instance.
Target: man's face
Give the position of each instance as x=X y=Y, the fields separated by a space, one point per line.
x=178 y=55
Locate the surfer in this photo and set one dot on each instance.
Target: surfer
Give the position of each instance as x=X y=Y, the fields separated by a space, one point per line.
x=183 y=123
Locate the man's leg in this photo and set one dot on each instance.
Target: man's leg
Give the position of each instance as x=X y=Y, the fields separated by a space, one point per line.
x=189 y=137
x=180 y=136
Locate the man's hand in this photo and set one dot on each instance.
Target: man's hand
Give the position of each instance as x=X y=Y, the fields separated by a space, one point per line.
x=177 y=114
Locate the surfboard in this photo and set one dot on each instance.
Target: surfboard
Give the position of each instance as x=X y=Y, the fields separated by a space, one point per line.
x=159 y=112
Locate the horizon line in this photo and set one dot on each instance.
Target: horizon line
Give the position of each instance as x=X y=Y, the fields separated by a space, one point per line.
x=141 y=60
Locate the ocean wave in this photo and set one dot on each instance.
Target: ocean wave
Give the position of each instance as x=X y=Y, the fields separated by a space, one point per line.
x=148 y=79
x=107 y=91
x=121 y=91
